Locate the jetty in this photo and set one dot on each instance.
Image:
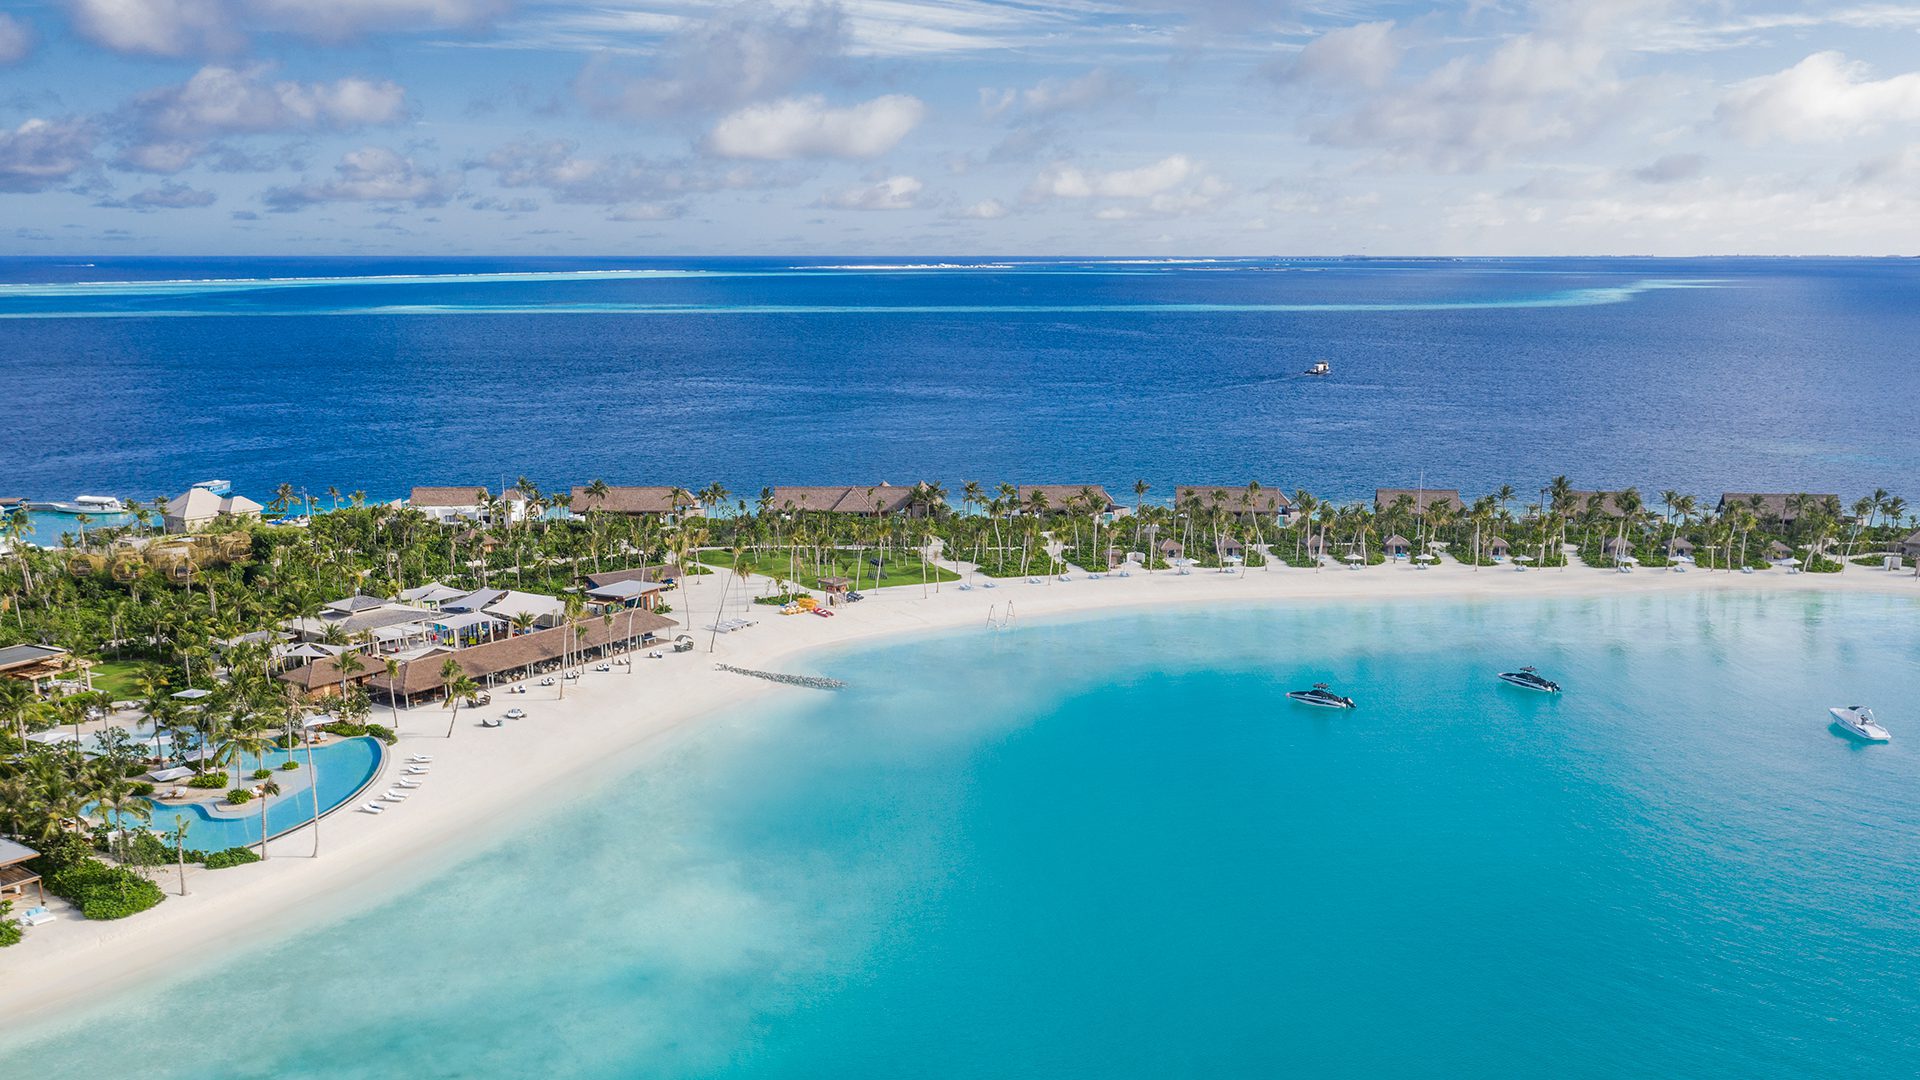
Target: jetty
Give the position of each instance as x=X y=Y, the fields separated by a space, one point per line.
x=811 y=682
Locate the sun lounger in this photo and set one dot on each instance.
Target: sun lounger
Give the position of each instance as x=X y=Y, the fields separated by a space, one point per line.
x=35 y=916
x=394 y=796
x=406 y=783
x=373 y=808
x=421 y=759
x=988 y=585
x=418 y=770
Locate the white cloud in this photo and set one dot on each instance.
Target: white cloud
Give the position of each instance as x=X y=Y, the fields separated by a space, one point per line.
x=1096 y=88
x=893 y=193
x=178 y=28
x=806 y=127
x=16 y=39
x=1364 y=55
x=158 y=27
x=570 y=176
x=984 y=210
x=370 y=174
x=168 y=196
x=741 y=54
x=1823 y=97
x=1069 y=182
x=41 y=154
x=223 y=100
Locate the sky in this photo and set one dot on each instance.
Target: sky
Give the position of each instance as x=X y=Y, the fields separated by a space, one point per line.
x=917 y=127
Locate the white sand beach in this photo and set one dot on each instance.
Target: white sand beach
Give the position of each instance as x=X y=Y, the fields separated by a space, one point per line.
x=482 y=781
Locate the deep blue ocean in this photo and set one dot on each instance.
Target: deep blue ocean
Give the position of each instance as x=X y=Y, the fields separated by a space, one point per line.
x=1111 y=849
x=139 y=376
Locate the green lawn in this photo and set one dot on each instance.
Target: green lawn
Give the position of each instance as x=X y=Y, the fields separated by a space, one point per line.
x=900 y=568
x=119 y=679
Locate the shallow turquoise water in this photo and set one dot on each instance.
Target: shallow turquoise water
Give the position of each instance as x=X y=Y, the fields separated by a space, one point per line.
x=1111 y=849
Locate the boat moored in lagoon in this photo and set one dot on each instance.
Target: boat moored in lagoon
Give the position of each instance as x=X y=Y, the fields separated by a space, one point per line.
x=82 y=504
x=1319 y=367
x=1321 y=696
x=1529 y=679
x=1858 y=721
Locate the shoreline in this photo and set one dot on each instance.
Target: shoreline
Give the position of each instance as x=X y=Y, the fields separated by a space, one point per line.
x=594 y=736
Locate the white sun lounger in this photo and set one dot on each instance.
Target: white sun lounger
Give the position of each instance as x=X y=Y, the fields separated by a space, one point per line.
x=405 y=783
x=418 y=770
x=374 y=808
x=421 y=759
x=394 y=796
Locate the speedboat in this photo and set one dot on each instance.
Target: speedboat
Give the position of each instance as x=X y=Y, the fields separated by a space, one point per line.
x=82 y=504
x=1858 y=721
x=1529 y=679
x=1321 y=697
x=1320 y=367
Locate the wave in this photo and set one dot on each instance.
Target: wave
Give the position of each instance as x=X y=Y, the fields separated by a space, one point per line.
x=1588 y=297
x=173 y=286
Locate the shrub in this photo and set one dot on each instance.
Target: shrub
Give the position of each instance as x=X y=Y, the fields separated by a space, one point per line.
x=9 y=926
x=134 y=769
x=210 y=781
x=67 y=849
x=102 y=891
x=341 y=727
x=233 y=856
x=383 y=733
x=142 y=789
x=262 y=774
x=239 y=795
x=289 y=766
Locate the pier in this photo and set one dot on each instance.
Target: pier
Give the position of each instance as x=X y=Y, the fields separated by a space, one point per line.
x=811 y=682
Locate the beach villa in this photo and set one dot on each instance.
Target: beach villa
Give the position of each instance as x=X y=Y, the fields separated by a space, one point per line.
x=1396 y=547
x=1679 y=547
x=1498 y=548
x=1421 y=499
x=199 y=509
x=875 y=500
x=1058 y=497
x=444 y=504
x=1775 y=507
x=1606 y=502
x=638 y=502
x=1268 y=504
x=1910 y=547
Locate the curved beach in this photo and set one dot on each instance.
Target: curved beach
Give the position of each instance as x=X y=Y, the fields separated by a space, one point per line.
x=612 y=723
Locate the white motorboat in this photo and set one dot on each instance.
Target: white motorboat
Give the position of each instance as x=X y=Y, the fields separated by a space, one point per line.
x=1320 y=367
x=1529 y=679
x=82 y=504
x=1858 y=721
x=1321 y=696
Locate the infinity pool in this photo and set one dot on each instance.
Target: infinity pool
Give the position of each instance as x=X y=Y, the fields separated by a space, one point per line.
x=340 y=768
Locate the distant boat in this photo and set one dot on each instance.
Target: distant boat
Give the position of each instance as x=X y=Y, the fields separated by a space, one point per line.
x=1858 y=721
x=82 y=504
x=1321 y=697
x=1320 y=367
x=1529 y=679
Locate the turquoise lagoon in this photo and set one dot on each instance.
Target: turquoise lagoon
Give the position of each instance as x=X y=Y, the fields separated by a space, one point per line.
x=1111 y=849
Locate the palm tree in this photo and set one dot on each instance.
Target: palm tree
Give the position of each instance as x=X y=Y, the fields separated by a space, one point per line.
x=459 y=688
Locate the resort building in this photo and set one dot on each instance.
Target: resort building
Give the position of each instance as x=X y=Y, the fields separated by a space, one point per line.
x=1910 y=547
x=876 y=500
x=42 y=665
x=1779 y=552
x=1396 y=547
x=665 y=575
x=1679 y=547
x=509 y=606
x=15 y=878
x=1057 y=498
x=1420 y=499
x=329 y=676
x=510 y=659
x=444 y=504
x=1608 y=504
x=1171 y=549
x=620 y=595
x=200 y=508
x=1617 y=548
x=431 y=595
x=364 y=622
x=660 y=502
x=1784 y=509
x=1269 y=504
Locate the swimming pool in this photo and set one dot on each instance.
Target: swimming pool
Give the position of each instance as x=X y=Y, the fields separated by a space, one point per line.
x=341 y=768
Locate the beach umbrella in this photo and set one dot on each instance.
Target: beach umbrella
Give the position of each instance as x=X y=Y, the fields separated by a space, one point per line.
x=1354 y=556
x=1523 y=558
x=1427 y=556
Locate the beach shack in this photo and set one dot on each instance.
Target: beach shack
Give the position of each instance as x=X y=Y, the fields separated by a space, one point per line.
x=15 y=878
x=835 y=586
x=1396 y=547
x=1617 y=548
x=1679 y=548
x=1779 y=552
x=1172 y=549
x=1910 y=547
x=1498 y=548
